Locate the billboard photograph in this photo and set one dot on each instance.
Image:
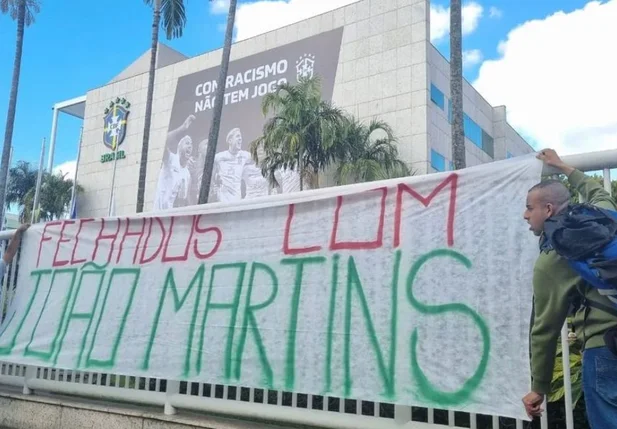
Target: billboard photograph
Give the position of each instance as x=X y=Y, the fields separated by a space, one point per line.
x=235 y=175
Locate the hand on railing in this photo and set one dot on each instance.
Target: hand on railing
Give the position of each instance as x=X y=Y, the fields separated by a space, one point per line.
x=550 y=158
x=533 y=404
x=11 y=250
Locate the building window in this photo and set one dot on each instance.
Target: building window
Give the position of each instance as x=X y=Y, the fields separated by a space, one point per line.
x=438 y=162
x=509 y=155
x=437 y=97
x=488 y=145
x=472 y=131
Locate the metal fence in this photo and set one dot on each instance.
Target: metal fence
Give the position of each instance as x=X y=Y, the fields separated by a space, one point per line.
x=272 y=405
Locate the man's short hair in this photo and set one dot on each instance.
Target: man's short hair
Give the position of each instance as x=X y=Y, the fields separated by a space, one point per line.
x=232 y=132
x=552 y=192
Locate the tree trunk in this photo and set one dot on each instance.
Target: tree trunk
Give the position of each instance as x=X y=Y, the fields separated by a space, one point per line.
x=143 y=165
x=10 y=115
x=456 y=85
x=213 y=136
x=300 y=171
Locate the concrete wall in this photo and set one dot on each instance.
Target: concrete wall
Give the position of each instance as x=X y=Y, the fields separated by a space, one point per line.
x=165 y=56
x=19 y=411
x=382 y=71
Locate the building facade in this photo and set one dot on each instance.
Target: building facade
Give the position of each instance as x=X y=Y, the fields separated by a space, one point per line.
x=374 y=58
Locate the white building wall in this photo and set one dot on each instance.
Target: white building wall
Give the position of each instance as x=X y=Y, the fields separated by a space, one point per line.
x=492 y=120
x=385 y=68
x=382 y=71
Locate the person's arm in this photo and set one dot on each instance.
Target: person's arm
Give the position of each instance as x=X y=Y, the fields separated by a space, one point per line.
x=174 y=136
x=592 y=191
x=11 y=250
x=551 y=290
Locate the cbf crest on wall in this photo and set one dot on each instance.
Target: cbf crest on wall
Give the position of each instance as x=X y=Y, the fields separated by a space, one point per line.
x=115 y=119
x=114 y=129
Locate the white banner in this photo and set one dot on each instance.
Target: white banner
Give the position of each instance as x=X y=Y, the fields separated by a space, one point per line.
x=414 y=291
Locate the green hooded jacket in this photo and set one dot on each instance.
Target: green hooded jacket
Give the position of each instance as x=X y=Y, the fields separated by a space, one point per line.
x=555 y=285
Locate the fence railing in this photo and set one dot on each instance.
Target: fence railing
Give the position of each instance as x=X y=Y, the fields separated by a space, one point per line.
x=271 y=405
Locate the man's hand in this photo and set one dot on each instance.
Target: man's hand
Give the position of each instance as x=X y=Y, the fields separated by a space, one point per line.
x=188 y=121
x=23 y=227
x=191 y=164
x=550 y=158
x=11 y=250
x=533 y=404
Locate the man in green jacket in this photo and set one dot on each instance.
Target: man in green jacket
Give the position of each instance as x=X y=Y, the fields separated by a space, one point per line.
x=555 y=287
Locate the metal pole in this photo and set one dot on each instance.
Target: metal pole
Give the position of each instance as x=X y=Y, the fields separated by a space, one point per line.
x=52 y=140
x=39 y=183
x=113 y=181
x=607 y=181
x=567 y=380
x=8 y=176
x=589 y=161
x=74 y=190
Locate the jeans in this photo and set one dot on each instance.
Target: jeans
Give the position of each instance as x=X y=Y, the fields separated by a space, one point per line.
x=600 y=387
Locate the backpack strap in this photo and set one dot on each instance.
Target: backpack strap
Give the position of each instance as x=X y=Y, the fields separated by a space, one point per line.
x=585 y=304
x=594 y=304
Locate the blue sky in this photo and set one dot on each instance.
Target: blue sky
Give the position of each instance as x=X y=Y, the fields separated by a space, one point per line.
x=76 y=45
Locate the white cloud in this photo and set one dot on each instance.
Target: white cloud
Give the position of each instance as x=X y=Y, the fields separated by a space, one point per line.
x=472 y=57
x=262 y=16
x=440 y=20
x=69 y=168
x=219 y=6
x=494 y=12
x=555 y=77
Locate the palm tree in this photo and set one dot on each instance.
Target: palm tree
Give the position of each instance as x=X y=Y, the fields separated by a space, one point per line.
x=456 y=84
x=22 y=178
x=22 y=11
x=213 y=136
x=56 y=193
x=370 y=153
x=302 y=133
x=174 y=20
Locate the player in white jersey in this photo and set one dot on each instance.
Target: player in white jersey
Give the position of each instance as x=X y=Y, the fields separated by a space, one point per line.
x=288 y=180
x=197 y=169
x=228 y=168
x=172 y=189
x=255 y=183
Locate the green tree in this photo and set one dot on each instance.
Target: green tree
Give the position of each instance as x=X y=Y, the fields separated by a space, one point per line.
x=174 y=20
x=23 y=12
x=22 y=178
x=55 y=198
x=456 y=84
x=368 y=153
x=300 y=134
x=213 y=136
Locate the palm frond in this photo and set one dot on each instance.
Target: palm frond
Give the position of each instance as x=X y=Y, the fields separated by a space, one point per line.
x=173 y=14
x=11 y=7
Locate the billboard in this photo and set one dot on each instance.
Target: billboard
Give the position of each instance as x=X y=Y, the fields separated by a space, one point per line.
x=249 y=79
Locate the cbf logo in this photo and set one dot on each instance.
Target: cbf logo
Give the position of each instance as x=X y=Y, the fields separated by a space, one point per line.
x=115 y=123
x=305 y=67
